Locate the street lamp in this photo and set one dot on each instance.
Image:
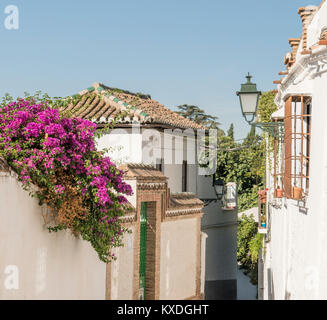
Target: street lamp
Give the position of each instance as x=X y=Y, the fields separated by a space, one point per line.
x=249 y=100
x=218 y=184
x=219 y=187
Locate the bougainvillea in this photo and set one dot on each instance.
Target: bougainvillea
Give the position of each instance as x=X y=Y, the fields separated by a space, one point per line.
x=84 y=188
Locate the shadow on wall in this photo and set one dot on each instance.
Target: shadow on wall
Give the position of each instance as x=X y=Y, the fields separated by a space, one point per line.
x=271 y=293
x=245 y=289
x=221 y=290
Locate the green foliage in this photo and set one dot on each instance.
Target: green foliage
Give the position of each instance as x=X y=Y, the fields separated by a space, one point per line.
x=244 y=166
x=230 y=131
x=82 y=187
x=248 y=199
x=266 y=106
x=255 y=245
x=249 y=240
x=199 y=116
x=247 y=229
x=249 y=243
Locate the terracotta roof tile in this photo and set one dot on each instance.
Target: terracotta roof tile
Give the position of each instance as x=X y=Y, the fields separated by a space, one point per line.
x=142 y=171
x=185 y=200
x=102 y=104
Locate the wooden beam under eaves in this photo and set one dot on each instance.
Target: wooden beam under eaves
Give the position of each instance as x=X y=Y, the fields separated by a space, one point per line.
x=283 y=73
x=277 y=82
x=322 y=42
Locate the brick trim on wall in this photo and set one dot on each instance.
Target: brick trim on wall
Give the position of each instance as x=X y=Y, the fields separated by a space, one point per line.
x=154 y=216
x=108 y=281
x=157 y=196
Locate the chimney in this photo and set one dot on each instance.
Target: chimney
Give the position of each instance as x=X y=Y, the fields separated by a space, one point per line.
x=306 y=14
x=294 y=43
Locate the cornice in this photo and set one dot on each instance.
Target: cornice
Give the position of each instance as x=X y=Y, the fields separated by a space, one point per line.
x=183 y=211
x=309 y=66
x=152 y=186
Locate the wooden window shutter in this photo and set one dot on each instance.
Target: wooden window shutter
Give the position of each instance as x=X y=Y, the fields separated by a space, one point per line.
x=288 y=148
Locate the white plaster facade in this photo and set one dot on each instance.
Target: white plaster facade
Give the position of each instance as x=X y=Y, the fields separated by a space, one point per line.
x=294 y=257
x=219 y=227
x=37 y=265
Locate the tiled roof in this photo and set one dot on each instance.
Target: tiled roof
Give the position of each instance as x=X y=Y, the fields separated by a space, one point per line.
x=142 y=171
x=185 y=200
x=102 y=104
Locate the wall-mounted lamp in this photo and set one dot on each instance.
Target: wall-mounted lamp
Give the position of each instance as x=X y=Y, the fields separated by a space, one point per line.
x=249 y=100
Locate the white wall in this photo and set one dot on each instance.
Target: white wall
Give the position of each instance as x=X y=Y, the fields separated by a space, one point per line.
x=50 y=266
x=178 y=264
x=221 y=263
x=146 y=145
x=295 y=260
x=122 y=270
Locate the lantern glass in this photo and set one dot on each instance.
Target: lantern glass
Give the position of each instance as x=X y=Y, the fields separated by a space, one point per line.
x=249 y=103
x=219 y=188
x=249 y=98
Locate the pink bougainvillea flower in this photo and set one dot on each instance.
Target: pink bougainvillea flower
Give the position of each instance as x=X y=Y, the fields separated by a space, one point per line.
x=38 y=142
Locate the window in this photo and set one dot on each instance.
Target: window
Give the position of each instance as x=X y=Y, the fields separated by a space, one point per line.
x=184 y=176
x=297 y=146
x=159 y=165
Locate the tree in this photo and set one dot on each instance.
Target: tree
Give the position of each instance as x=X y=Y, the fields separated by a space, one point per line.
x=251 y=135
x=243 y=166
x=199 y=116
x=249 y=243
x=230 y=131
x=266 y=106
x=243 y=163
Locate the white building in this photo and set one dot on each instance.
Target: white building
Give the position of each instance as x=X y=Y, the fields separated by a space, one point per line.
x=149 y=133
x=294 y=257
x=175 y=250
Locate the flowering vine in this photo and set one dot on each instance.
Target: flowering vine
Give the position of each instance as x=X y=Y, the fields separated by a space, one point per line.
x=84 y=188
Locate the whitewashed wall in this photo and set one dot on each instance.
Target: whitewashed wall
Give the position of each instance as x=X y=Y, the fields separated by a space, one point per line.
x=178 y=264
x=146 y=145
x=295 y=260
x=122 y=270
x=50 y=266
x=220 y=226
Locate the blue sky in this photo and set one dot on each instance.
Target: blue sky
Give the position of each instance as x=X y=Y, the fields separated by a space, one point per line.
x=185 y=51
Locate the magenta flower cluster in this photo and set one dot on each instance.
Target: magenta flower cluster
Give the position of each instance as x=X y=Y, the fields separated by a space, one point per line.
x=36 y=141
